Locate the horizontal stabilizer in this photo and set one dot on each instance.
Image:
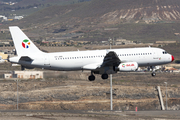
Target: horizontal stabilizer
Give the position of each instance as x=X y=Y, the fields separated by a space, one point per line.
x=25 y=58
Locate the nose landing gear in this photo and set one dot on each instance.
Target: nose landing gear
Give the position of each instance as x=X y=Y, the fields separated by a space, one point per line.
x=153 y=74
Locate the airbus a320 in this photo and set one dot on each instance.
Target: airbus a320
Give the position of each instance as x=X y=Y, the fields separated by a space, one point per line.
x=102 y=62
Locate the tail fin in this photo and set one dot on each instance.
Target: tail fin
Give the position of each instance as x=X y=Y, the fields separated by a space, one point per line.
x=24 y=46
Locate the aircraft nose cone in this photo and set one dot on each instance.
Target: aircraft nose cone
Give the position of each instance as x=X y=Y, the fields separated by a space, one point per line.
x=172 y=58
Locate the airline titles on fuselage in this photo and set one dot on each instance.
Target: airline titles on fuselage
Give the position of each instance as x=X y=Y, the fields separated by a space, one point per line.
x=127 y=65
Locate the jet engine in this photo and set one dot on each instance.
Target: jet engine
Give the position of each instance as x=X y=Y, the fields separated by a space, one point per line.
x=128 y=67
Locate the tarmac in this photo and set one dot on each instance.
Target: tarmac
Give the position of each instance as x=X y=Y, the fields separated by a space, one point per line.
x=87 y=115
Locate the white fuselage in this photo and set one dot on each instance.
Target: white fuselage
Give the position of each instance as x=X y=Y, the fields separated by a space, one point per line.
x=102 y=62
x=69 y=61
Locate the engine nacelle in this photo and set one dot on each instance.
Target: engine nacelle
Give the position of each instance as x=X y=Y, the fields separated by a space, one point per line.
x=128 y=67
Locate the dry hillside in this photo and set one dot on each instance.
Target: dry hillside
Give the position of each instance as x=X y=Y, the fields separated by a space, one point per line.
x=157 y=20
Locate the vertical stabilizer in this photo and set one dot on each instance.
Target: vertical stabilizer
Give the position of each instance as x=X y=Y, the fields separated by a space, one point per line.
x=24 y=46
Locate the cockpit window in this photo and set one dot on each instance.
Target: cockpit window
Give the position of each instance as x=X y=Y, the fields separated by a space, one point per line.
x=164 y=52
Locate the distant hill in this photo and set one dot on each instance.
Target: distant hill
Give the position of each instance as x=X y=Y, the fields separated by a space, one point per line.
x=50 y=2
x=25 y=6
x=92 y=17
x=115 y=11
x=146 y=10
x=28 y=2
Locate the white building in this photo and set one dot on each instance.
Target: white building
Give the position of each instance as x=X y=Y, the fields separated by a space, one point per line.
x=25 y=75
x=18 y=17
x=4 y=17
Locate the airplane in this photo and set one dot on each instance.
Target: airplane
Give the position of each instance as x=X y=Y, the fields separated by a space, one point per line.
x=102 y=62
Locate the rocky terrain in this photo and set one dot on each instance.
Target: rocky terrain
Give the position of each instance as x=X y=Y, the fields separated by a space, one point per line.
x=72 y=91
x=112 y=12
x=140 y=20
x=148 y=11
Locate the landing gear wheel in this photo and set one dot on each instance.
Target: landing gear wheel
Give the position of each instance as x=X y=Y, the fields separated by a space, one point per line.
x=153 y=74
x=104 y=76
x=91 y=78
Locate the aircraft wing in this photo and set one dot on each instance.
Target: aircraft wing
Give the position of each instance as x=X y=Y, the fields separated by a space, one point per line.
x=92 y=66
x=111 y=59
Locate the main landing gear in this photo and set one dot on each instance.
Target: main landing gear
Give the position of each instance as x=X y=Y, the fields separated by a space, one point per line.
x=104 y=76
x=91 y=77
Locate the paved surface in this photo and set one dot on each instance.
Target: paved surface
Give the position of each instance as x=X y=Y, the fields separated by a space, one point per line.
x=87 y=115
x=168 y=114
